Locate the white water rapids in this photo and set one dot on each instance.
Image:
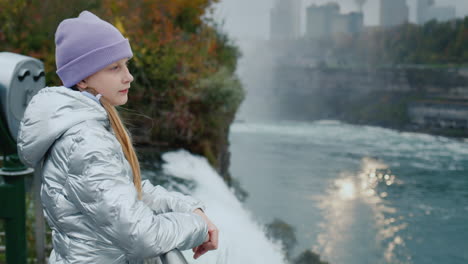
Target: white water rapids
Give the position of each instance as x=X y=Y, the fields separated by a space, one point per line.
x=241 y=240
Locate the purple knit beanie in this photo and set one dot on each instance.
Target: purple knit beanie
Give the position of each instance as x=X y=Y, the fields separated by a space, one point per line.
x=85 y=45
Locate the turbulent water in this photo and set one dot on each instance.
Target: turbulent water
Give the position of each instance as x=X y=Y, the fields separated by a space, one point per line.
x=354 y=194
x=241 y=240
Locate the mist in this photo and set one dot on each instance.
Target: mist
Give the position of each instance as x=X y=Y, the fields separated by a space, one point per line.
x=248 y=25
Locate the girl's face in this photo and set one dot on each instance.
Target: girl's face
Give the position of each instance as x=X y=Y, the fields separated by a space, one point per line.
x=113 y=82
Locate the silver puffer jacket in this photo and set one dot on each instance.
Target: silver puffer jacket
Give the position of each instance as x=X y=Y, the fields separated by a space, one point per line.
x=87 y=189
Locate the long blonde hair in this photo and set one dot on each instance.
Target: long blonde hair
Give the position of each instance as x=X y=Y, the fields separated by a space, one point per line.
x=124 y=139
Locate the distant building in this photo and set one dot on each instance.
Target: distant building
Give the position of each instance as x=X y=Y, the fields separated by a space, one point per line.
x=319 y=19
x=356 y=22
x=326 y=20
x=285 y=20
x=393 y=12
x=426 y=11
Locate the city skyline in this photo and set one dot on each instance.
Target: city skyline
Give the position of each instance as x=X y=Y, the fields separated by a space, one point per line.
x=245 y=19
x=326 y=20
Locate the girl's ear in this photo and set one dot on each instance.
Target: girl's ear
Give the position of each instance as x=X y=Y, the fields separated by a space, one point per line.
x=82 y=85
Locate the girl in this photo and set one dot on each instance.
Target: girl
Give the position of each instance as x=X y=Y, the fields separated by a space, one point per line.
x=98 y=208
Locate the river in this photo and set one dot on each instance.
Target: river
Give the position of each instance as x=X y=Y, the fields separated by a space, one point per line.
x=357 y=194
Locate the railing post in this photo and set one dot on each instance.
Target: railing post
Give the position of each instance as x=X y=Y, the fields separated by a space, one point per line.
x=173 y=257
x=15 y=226
x=13 y=208
x=40 y=231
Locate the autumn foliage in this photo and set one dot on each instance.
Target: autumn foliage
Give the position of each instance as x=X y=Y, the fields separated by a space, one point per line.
x=185 y=92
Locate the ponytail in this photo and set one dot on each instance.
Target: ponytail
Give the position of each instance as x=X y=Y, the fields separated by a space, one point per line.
x=124 y=139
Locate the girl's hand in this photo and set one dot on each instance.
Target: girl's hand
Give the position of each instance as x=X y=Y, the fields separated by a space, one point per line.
x=211 y=242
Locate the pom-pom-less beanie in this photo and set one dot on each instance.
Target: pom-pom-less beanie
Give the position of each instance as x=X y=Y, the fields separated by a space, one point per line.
x=85 y=45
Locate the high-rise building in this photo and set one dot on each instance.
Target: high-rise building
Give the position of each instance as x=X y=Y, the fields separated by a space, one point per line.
x=360 y=4
x=355 y=22
x=426 y=11
x=393 y=12
x=319 y=19
x=285 y=20
x=326 y=20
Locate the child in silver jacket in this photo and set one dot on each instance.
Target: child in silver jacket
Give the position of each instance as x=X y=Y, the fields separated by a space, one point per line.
x=94 y=201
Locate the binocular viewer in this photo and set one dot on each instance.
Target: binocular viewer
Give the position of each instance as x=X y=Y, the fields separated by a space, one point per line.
x=21 y=77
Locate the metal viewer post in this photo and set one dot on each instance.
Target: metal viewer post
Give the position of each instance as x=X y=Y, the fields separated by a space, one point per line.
x=20 y=78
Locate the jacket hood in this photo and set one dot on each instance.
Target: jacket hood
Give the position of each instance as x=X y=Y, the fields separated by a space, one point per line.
x=49 y=114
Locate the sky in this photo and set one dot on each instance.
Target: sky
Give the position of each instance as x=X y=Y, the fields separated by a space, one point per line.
x=249 y=19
